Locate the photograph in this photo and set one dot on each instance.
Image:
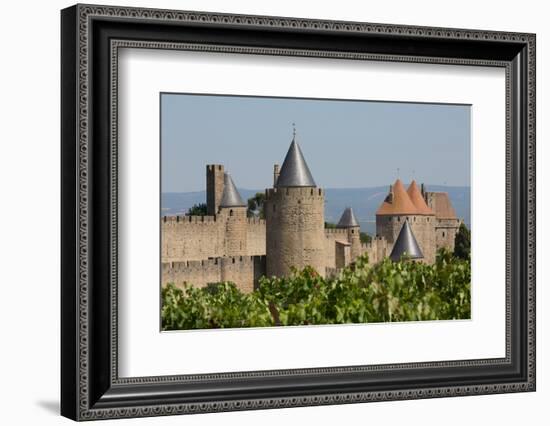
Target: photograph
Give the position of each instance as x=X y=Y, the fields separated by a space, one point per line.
x=304 y=212
x=264 y=209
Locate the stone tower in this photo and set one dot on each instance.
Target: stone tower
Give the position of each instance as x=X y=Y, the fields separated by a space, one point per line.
x=214 y=187
x=400 y=206
x=447 y=222
x=423 y=224
x=395 y=208
x=349 y=222
x=294 y=213
x=232 y=212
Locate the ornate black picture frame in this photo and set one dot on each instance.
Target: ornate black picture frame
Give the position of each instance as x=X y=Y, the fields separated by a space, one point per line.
x=91 y=387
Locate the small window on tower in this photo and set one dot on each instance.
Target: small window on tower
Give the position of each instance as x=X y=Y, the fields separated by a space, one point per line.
x=231 y=212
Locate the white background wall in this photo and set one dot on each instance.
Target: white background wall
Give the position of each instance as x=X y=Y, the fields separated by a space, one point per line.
x=29 y=212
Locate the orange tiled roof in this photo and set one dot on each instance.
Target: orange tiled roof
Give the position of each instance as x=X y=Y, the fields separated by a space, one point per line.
x=443 y=207
x=401 y=203
x=418 y=200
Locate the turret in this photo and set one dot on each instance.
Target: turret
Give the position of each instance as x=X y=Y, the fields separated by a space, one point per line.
x=233 y=211
x=349 y=222
x=294 y=212
x=406 y=245
x=407 y=205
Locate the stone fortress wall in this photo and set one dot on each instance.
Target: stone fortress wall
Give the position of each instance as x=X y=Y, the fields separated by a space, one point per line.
x=244 y=271
x=202 y=237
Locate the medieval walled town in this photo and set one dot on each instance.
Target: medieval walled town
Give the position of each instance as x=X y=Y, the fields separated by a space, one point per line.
x=228 y=245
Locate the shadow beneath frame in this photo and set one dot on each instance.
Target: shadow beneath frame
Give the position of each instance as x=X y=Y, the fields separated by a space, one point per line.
x=50 y=406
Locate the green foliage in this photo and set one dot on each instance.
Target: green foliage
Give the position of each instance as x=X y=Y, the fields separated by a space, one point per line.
x=361 y=293
x=329 y=225
x=462 y=242
x=365 y=238
x=197 y=210
x=256 y=205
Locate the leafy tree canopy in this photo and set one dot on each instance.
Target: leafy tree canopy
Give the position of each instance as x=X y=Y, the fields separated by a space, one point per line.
x=365 y=238
x=256 y=205
x=197 y=210
x=462 y=242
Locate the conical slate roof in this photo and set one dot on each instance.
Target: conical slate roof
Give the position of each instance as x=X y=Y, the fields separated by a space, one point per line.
x=294 y=171
x=230 y=196
x=418 y=200
x=401 y=203
x=406 y=245
x=348 y=219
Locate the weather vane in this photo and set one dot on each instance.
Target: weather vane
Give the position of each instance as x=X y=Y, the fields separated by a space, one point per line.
x=294 y=129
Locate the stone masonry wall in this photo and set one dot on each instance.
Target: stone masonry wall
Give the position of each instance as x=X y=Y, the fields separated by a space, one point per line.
x=377 y=249
x=244 y=271
x=294 y=230
x=445 y=232
x=343 y=254
x=332 y=235
x=191 y=238
x=234 y=232
x=423 y=228
x=255 y=236
x=201 y=237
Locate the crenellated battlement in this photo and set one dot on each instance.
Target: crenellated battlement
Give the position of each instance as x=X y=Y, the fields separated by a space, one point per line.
x=297 y=192
x=212 y=262
x=256 y=221
x=336 y=231
x=188 y=219
x=214 y=167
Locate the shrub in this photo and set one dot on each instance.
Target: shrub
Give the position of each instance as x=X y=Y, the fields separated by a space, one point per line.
x=361 y=293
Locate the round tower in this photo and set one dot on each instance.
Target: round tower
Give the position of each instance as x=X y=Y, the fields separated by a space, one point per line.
x=407 y=205
x=294 y=213
x=232 y=214
x=394 y=210
x=349 y=222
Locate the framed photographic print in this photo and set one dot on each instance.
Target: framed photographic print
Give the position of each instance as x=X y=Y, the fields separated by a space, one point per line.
x=263 y=212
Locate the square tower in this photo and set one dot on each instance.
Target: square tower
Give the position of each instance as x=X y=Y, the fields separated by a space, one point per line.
x=214 y=187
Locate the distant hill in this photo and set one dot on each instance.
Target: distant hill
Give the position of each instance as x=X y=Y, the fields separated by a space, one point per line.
x=364 y=201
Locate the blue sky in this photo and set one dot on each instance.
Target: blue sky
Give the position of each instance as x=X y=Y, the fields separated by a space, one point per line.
x=347 y=144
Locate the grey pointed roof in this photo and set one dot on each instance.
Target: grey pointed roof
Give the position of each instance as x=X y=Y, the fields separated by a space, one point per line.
x=294 y=171
x=348 y=219
x=406 y=245
x=230 y=196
